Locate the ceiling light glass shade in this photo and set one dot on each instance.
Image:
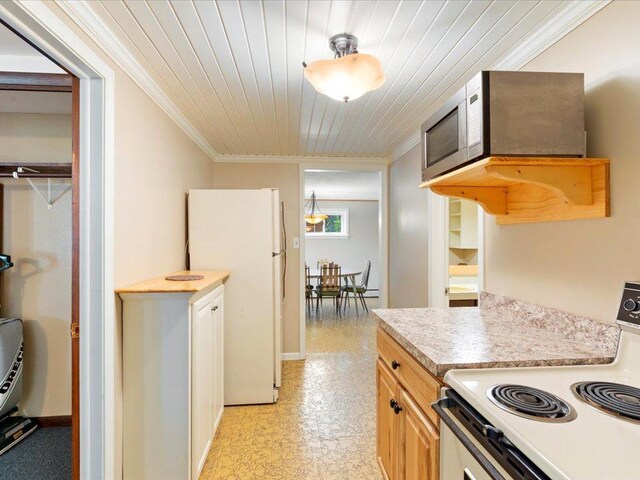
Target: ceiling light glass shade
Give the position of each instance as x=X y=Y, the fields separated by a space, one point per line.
x=316 y=218
x=346 y=78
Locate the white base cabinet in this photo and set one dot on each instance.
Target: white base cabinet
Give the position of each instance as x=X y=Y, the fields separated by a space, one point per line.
x=207 y=376
x=173 y=381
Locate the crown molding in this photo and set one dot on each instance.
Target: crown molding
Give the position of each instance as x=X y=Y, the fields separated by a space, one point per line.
x=407 y=145
x=573 y=14
x=298 y=159
x=81 y=13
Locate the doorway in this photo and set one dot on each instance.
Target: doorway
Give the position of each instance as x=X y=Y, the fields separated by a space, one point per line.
x=354 y=233
x=462 y=278
x=40 y=206
x=348 y=237
x=39 y=26
x=455 y=251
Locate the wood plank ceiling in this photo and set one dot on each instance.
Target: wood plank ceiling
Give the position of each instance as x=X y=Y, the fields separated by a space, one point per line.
x=234 y=67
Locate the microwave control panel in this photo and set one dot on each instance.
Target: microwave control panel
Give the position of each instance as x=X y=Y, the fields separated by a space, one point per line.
x=629 y=311
x=474 y=119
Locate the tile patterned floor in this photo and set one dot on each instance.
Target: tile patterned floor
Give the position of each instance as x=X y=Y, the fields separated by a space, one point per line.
x=323 y=426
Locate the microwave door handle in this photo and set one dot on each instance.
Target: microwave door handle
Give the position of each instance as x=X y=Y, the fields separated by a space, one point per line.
x=462 y=124
x=475 y=452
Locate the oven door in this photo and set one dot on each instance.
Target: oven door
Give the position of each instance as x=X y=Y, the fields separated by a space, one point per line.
x=473 y=449
x=456 y=460
x=444 y=137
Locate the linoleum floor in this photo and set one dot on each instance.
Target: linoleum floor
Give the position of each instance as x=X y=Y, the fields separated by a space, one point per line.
x=323 y=426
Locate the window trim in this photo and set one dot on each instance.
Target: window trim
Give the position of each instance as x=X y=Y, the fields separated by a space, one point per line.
x=344 y=213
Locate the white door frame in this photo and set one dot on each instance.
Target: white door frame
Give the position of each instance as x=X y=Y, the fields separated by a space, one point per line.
x=438 y=250
x=36 y=22
x=383 y=235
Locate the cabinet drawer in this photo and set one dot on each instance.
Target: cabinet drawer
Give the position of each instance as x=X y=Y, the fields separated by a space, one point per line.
x=415 y=379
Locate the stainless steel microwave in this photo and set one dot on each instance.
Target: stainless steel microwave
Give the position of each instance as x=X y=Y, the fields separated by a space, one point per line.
x=501 y=113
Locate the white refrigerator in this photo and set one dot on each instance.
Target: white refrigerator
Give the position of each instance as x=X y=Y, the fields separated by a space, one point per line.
x=243 y=231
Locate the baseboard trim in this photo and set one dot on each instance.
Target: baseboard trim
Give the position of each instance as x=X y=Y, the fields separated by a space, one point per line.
x=287 y=357
x=54 y=421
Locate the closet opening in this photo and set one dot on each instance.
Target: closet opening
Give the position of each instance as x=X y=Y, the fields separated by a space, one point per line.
x=39 y=264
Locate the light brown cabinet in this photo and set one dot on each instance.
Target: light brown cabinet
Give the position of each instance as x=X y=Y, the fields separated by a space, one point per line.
x=387 y=421
x=419 y=443
x=407 y=433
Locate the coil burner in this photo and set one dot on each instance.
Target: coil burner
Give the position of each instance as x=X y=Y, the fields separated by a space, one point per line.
x=531 y=403
x=615 y=399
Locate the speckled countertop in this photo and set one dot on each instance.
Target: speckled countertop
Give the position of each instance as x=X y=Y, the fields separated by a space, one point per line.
x=503 y=332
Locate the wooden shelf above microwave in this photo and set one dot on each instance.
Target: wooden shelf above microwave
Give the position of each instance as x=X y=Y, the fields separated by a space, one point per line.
x=531 y=189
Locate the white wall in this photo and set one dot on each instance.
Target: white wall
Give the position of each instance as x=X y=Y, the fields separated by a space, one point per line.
x=38 y=288
x=16 y=55
x=408 y=225
x=360 y=246
x=580 y=266
x=35 y=137
x=156 y=164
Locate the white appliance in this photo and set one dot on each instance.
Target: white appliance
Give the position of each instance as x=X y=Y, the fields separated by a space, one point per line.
x=242 y=231
x=580 y=423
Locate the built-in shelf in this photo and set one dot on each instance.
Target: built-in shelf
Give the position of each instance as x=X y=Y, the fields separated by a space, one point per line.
x=36 y=170
x=531 y=189
x=463 y=270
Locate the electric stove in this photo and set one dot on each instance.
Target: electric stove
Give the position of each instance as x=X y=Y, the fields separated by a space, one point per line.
x=578 y=422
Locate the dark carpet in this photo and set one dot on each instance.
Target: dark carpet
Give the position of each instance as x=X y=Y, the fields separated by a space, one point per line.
x=45 y=454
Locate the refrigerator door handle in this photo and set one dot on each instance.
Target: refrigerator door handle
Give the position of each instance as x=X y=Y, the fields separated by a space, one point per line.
x=283 y=251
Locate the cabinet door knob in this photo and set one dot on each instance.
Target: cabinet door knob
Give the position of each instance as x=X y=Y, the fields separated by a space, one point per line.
x=214 y=308
x=396 y=408
x=394 y=365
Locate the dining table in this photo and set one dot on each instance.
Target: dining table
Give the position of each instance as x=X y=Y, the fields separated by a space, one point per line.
x=349 y=274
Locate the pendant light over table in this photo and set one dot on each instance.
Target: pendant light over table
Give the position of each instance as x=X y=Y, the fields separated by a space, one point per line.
x=312 y=214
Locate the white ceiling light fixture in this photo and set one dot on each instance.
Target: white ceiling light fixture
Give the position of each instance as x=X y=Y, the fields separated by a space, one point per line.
x=349 y=75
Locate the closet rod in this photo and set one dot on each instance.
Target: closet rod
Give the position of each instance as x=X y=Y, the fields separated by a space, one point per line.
x=42 y=170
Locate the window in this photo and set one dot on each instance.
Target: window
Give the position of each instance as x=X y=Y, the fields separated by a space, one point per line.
x=336 y=226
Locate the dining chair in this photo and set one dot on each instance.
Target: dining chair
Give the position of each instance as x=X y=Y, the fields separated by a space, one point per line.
x=360 y=289
x=308 y=291
x=329 y=285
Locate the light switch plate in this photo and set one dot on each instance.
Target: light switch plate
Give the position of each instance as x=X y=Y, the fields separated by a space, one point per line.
x=296 y=242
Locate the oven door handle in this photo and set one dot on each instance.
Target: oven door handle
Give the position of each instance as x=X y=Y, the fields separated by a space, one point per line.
x=475 y=452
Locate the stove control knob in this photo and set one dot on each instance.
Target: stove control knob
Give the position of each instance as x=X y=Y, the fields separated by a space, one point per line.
x=630 y=305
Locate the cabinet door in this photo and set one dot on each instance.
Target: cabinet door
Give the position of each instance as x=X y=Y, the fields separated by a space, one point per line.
x=419 y=443
x=387 y=421
x=201 y=422
x=217 y=362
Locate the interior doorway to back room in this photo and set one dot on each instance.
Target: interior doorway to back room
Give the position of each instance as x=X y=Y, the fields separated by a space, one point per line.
x=463 y=252
x=342 y=242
